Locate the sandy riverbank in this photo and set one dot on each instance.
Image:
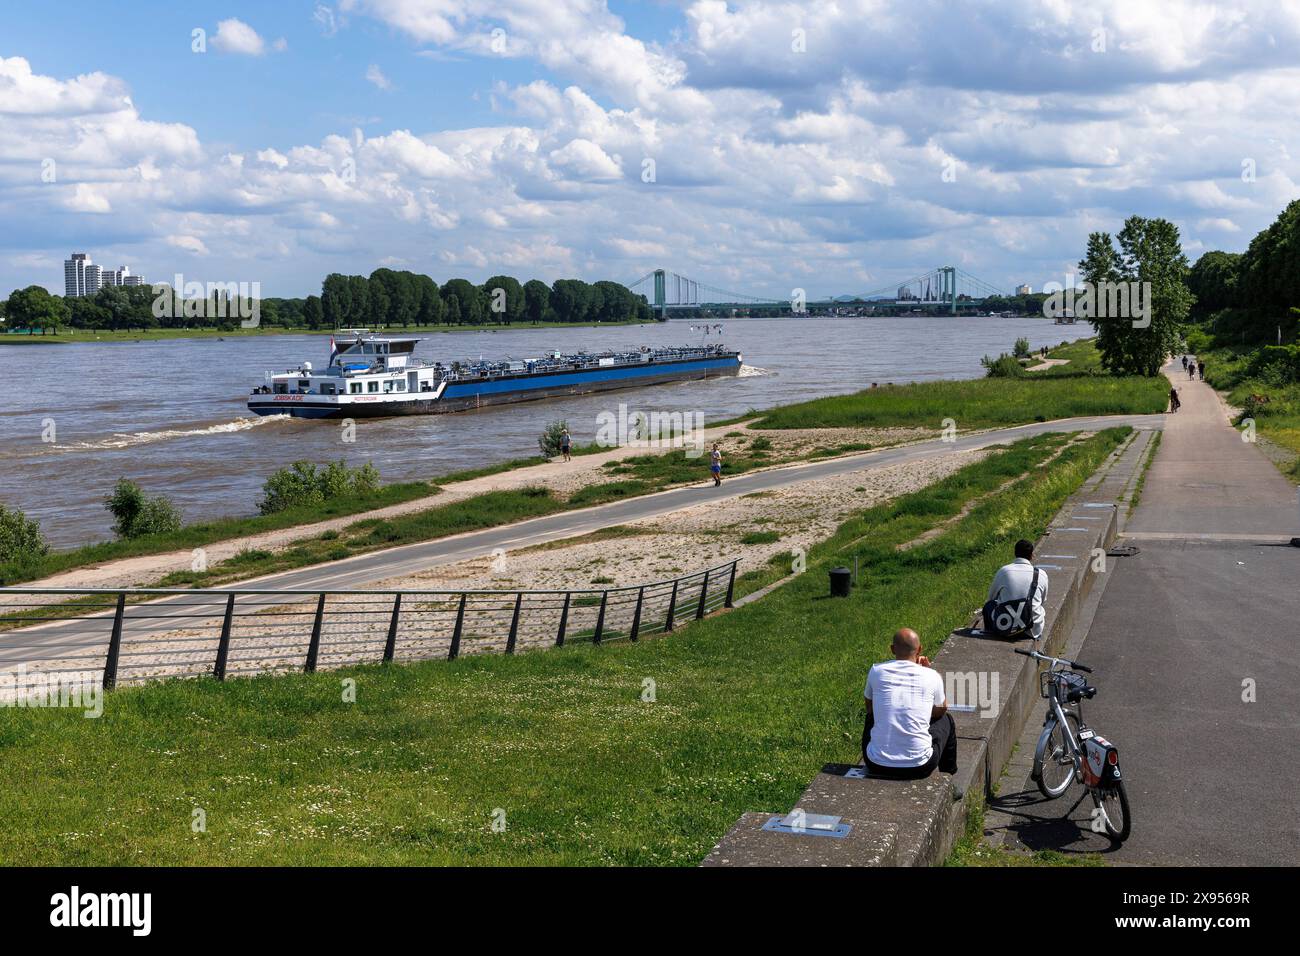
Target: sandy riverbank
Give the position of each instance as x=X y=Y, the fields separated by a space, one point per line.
x=563 y=478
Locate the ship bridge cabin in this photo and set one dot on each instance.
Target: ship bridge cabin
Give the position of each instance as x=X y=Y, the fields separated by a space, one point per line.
x=361 y=364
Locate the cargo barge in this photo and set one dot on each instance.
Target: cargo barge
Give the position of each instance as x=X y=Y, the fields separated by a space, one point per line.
x=372 y=376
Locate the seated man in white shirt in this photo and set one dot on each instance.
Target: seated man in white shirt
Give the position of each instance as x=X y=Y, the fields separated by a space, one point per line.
x=1014 y=582
x=908 y=732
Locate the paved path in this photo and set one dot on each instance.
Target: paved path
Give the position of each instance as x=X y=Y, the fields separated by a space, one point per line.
x=36 y=643
x=1210 y=604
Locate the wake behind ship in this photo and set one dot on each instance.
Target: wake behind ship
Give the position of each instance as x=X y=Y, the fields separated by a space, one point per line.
x=372 y=376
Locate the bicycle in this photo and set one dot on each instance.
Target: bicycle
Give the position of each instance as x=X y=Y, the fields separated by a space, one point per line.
x=1069 y=750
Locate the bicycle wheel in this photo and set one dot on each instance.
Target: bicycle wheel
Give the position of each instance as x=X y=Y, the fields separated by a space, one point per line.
x=1056 y=767
x=1112 y=801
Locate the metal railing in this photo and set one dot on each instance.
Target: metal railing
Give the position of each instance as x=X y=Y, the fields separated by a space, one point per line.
x=135 y=635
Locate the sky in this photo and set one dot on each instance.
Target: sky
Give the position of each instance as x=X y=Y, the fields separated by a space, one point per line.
x=835 y=146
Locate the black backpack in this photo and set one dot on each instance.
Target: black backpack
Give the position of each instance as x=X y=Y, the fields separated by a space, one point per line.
x=1011 y=618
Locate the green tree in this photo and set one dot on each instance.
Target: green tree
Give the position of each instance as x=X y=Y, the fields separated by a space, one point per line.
x=20 y=537
x=136 y=514
x=537 y=300
x=1150 y=253
x=380 y=303
x=570 y=299
x=336 y=301
x=1213 y=281
x=34 y=308
x=432 y=310
x=505 y=299
x=471 y=303
x=1270 y=268
x=360 y=289
x=313 y=313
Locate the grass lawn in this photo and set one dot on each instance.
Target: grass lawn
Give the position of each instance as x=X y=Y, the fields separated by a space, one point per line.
x=15 y=572
x=978 y=403
x=1082 y=355
x=568 y=749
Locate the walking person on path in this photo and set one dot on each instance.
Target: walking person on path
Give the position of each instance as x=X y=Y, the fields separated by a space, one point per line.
x=1191 y=370
x=716 y=466
x=1184 y=363
x=566 y=442
x=1201 y=370
x=1173 y=399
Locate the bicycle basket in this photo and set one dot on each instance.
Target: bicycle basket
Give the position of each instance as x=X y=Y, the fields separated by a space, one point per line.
x=1071 y=687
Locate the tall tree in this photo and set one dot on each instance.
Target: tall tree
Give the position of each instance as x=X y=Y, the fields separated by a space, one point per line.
x=1150 y=254
x=471 y=304
x=336 y=300
x=537 y=300
x=570 y=299
x=1213 y=281
x=432 y=310
x=34 y=308
x=313 y=315
x=505 y=299
x=359 y=314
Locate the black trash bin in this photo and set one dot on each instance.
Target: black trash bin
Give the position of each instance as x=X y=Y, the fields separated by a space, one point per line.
x=841 y=578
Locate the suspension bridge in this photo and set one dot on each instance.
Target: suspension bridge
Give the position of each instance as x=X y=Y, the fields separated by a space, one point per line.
x=944 y=288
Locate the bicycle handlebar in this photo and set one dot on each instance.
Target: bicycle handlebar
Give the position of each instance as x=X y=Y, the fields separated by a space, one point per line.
x=1073 y=665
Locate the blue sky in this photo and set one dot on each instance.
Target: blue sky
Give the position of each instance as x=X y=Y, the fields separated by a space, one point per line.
x=832 y=146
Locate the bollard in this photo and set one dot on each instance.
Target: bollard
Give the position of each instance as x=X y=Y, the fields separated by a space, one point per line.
x=841 y=579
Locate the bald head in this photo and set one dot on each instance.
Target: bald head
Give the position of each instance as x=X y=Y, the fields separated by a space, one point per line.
x=906 y=645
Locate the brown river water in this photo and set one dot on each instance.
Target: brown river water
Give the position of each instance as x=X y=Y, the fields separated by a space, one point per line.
x=171 y=415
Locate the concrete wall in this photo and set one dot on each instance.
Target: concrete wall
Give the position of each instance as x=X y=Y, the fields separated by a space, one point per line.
x=916 y=823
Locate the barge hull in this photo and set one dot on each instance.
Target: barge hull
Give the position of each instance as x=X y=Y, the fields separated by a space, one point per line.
x=474 y=395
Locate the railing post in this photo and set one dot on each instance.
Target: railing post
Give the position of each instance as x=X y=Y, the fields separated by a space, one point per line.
x=454 y=651
x=672 y=607
x=704 y=593
x=390 y=646
x=731 y=585
x=223 y=645
x=114 y=643
x=564 y=619
x=514 y=623
x=600 y=617
x=636 y=616
x=313 y=649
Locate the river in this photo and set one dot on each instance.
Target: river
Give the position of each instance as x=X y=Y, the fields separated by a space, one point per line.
x=171 y=415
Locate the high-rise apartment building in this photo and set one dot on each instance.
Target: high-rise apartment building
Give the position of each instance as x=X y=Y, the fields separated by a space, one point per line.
x=83 y=277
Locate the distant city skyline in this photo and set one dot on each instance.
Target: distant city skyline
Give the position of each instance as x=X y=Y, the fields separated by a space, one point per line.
x=753 y=146
x=82 y=277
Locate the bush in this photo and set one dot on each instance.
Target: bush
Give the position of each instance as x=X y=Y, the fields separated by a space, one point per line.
x=1004 y=366
x=1021 y=348
x=20 y=537
x=549 y=440
x=303 y=485
x=135 y=514
x=1199 y=341
x=1276 y=364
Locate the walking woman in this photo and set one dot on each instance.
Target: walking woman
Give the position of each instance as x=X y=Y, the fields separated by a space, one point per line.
x=716 y=466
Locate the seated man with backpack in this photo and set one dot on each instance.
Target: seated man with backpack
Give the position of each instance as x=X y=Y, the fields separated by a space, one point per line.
x=1016 y=597
x=908 y=732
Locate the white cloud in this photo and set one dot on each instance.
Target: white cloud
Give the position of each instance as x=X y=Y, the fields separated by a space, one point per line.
x=189 y=244
x=86 y=198
x=376 y=76
x=774 y=169
x=236 y=36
